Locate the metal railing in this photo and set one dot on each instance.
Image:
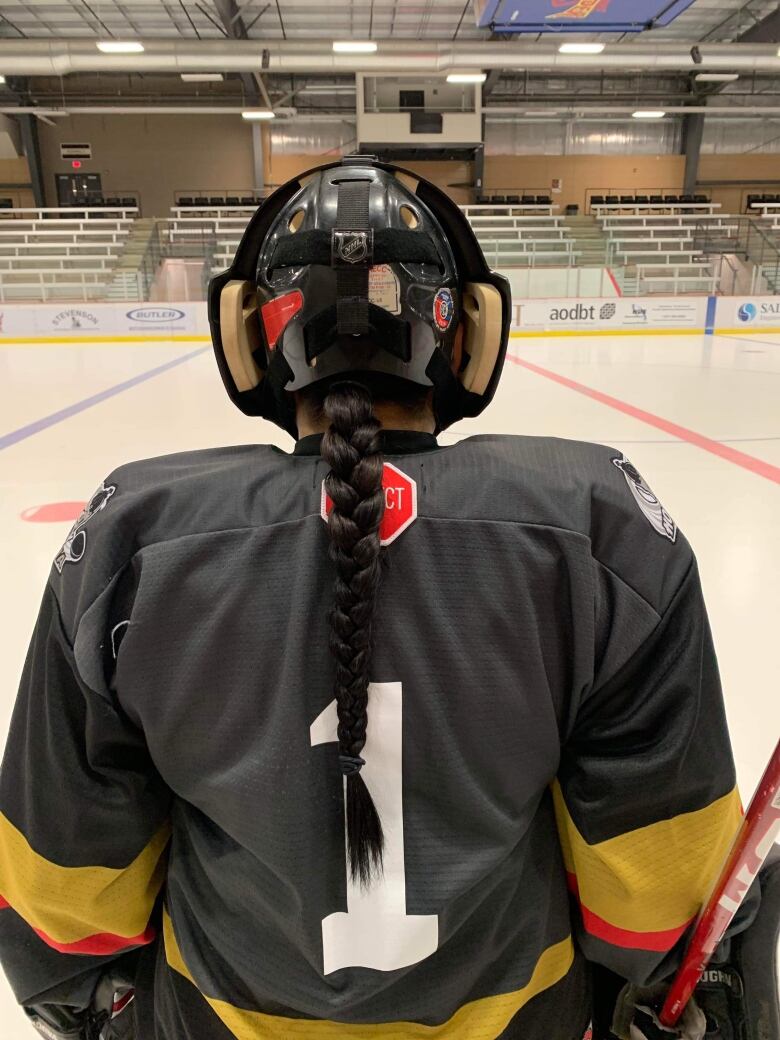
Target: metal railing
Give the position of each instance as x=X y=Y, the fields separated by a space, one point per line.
x=136 y=283
x=69 y=213
x=195 y=243
x=133 y=280
x=533 y=253
x=671 y=280
x=747 y=240
x=700 y=262
x=727 y=276
x=150 y=261
x=46 y=285
x=209 y=265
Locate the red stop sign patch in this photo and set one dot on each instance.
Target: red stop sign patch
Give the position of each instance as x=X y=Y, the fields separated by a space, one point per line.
x=400 y=503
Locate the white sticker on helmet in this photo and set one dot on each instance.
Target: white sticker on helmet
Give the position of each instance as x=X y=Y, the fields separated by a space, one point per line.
x=384 y=289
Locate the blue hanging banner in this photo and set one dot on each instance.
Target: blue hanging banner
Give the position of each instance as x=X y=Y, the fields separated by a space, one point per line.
x=618 y=16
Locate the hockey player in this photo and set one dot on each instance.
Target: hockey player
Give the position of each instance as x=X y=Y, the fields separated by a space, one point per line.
x=321 y=745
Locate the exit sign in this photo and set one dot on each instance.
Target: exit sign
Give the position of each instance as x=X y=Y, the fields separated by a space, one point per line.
x=75 y=151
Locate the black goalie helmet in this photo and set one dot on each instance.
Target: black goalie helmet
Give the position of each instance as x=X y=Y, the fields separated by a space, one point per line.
x=352 y=268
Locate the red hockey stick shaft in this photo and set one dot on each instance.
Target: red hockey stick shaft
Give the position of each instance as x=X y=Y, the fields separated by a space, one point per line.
x=751 y=847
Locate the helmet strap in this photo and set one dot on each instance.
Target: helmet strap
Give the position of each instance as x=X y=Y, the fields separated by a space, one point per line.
x=352 y=250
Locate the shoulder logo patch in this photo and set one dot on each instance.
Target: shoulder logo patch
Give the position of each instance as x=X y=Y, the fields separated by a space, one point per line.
x=647 y=501
x=76 y=543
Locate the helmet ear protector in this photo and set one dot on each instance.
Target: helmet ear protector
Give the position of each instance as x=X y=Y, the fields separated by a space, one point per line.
x=251 y=355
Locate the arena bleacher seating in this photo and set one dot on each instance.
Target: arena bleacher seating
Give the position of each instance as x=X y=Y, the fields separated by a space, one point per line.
x=652 y=241
x=197 y=200
x=523 y=234
x=515 y=233
x=196 y=229
x=650 y=238
x=61 y=253
x=97 y=201
x=698 y=203
x=758 y=203
x=658 y=252
x=525 y=199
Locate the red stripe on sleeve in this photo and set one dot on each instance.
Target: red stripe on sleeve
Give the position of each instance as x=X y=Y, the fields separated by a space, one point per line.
x=100 y=945
x=657 y=942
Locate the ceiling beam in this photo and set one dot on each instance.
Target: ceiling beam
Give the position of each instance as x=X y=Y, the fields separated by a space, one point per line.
x=765 y=31
x=230 y=15
x=492 y=79
x=7 y=21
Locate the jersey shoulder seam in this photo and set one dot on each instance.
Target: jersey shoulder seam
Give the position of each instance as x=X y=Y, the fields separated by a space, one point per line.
x=619 y=577
x=562 y=530
x=283 y=523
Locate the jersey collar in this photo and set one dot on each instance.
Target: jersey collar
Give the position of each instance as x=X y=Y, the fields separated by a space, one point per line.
x=394 y=442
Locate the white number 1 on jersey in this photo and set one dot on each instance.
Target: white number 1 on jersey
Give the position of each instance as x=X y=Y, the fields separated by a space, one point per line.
x=376 y=932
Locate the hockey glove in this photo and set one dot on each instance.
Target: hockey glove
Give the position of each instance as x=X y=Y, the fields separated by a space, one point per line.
x=113 y=1015
x=636 y=1017
x=57 y=1022
x=110 y=1017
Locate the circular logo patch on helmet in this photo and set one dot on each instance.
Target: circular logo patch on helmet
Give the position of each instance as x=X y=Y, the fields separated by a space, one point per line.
x=443 y=309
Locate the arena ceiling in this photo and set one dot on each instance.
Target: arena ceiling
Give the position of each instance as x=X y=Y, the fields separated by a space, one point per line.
x=705 y=21
x=277 y=52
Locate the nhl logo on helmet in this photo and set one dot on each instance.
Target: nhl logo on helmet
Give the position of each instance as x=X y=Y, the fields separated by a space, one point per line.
x=400 y=503
x=352 y=247
x=443 y=309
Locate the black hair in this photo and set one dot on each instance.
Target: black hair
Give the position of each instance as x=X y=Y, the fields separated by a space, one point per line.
x=382 y=387
x=352 y=449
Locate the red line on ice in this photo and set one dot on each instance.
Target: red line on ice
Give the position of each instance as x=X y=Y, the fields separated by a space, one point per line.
x=53 y=512
x=683 y=433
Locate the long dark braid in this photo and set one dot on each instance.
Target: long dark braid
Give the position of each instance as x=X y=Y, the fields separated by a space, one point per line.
x=352 y=449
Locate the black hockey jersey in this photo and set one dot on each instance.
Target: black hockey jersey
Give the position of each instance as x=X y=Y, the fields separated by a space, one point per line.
x=547 y=748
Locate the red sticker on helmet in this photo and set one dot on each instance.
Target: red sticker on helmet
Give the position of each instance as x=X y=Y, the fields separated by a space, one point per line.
x=278 y=313
x=400 y=503
x=443 y=309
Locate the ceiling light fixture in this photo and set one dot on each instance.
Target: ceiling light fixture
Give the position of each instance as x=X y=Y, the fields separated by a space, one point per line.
x=717 y=77
x=467 y=77
x=336 y=88
x=201 y=77
x=649 y=114
x=258 y=113
x=120 y=46
x=354 y=47
x=581 y=48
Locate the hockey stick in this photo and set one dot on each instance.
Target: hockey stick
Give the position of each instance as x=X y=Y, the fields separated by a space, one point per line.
x=751 y=847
